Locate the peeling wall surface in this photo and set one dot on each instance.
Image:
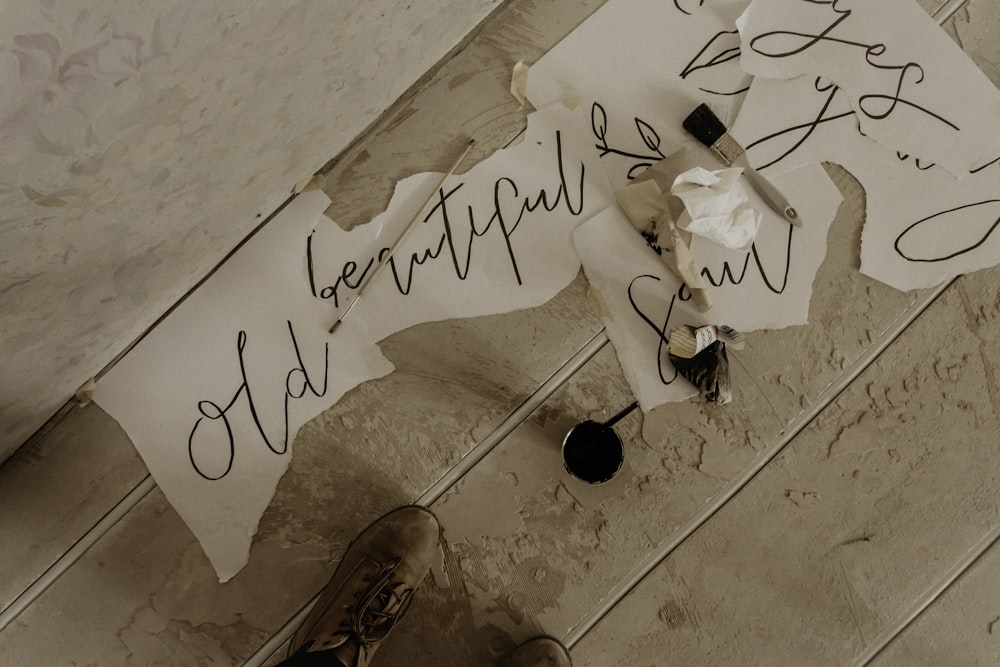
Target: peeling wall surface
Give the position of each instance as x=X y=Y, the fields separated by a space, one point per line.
x=140 y=142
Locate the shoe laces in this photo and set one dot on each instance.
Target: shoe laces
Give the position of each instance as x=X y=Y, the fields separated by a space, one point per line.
x=381 y=605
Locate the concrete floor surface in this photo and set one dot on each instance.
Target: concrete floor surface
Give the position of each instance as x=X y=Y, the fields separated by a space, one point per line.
x=857 y=471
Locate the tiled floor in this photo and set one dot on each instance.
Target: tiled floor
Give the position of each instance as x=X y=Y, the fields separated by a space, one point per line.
x=858 y=471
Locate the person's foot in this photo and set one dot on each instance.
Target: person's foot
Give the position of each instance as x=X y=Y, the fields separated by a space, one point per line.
x=371 y=587
x=540 y=652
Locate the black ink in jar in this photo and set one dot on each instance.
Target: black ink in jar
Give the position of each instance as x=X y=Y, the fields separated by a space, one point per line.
x=592 y=452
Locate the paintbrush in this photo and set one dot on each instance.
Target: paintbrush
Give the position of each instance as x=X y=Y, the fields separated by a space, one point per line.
x=406 y=230
x=709 y=130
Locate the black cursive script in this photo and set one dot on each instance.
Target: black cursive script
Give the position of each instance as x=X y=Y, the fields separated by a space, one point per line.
x=719 y=56
x=726 y=275
x=205 y=444
x=799 y=133
x=877 y=106
x=956 y=219
x=510 y=205
x=650 y=138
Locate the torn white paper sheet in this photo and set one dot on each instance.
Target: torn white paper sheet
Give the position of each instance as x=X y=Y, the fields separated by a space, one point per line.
x=635 y=116
x=922 y=226
x=495 y=239
x=643 y=66
x=911 y=86
x=213 y=397
x=635 y=120
x=632 y=280
x=716 y=207
x=767 y=287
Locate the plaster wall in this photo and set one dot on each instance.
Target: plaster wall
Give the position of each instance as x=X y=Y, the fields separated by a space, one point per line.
x=141 y=141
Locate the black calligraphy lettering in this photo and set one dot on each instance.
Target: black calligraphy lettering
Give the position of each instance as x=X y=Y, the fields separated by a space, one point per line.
x=660 y=330
x=204 y=447
x=677 y=4
x=347 y=270
x=976 y=170
x=719 y=55
x=954 y=220
x=647 y=134
x=301 y=373
x=309 y=263
x=404 y=283
x=727 y=275
x=806 y=128
x=788 y=43
x=903 y=157
x=509 y=209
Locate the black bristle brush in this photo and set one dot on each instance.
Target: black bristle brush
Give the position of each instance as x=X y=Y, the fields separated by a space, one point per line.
x=709 y=130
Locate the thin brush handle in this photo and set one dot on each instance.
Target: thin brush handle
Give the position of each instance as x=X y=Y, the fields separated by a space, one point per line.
x=768 y=192
x=621 y=415
x=406 y=230
x=413 y=221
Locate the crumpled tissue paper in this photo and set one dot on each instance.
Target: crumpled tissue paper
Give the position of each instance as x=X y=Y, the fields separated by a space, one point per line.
x=716 y=207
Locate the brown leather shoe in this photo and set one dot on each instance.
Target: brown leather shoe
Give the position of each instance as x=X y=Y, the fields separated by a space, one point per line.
x=372 y=587
x=540 y=652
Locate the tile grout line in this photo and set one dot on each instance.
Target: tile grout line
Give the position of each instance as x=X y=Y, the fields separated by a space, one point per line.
x=147 y=484
x=942 y=15
x=518 y=416
x=452 y=476
x=35 y=590
x=369 y=131
x=721 y=499
x=62 y=564
x=889 y=634
x=73 y=554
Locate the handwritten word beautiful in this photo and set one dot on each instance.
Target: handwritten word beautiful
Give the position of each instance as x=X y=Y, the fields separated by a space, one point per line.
x=509 y=207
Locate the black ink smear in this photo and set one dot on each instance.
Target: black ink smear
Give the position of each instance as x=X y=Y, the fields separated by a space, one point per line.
x=942 y=218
